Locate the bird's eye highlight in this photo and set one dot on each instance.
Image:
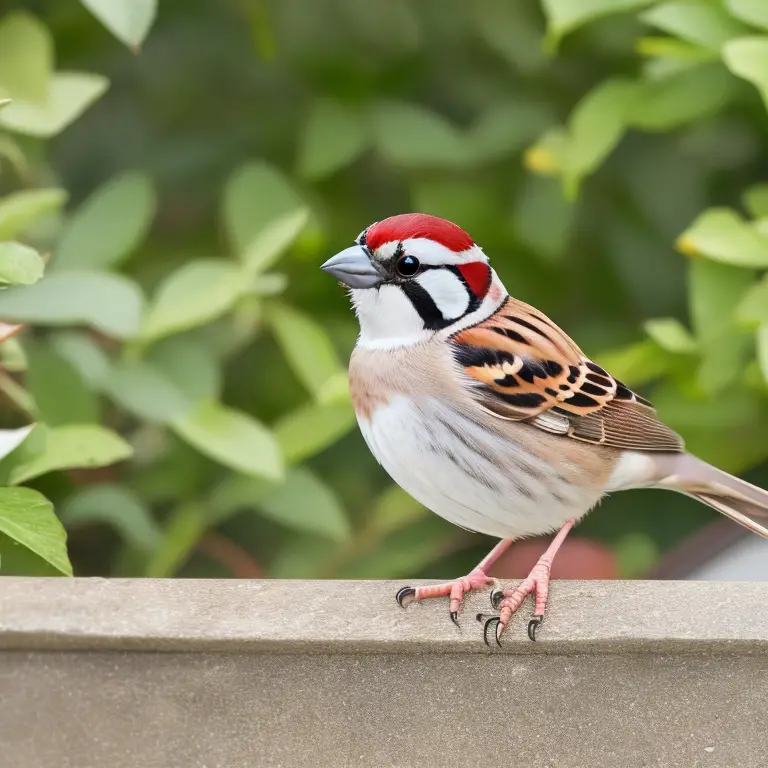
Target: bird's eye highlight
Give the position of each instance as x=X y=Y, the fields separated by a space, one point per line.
x=407 y=266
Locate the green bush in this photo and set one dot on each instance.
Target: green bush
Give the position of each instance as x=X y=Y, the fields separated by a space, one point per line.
x=184 y=360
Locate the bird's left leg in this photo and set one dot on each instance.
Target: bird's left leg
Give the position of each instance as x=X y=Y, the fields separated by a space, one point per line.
x=476 y=578
x=507 y=601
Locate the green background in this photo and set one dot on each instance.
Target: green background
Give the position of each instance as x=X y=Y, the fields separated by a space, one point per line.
x=576 y=142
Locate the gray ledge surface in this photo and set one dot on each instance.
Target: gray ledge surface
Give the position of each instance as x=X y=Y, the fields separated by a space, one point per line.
x=282 y=674
x=353 y=616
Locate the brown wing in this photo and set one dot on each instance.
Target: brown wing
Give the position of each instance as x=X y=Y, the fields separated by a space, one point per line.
x=528 y=369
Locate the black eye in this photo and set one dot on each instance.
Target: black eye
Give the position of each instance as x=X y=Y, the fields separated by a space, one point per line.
x=408 y=266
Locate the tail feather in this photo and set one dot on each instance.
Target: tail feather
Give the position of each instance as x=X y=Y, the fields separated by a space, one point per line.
x=743 y=502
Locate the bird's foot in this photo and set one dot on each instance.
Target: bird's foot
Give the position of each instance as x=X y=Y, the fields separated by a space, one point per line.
x=507 y=601
x=455 y=590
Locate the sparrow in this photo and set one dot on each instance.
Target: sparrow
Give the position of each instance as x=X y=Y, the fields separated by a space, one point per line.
x=490 y=415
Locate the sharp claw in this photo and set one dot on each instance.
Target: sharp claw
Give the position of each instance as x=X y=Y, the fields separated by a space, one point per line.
x=455 y=617
x=487 y=626
x=403 y=594
x=497 y=595
x=533 y=625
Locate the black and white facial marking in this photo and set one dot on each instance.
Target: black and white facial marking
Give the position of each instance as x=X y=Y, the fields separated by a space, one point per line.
x=440 y=295
x=426 y=288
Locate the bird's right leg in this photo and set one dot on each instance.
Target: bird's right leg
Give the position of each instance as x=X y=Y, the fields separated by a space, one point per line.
x=455 y=590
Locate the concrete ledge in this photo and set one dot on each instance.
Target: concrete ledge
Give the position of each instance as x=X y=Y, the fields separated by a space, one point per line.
x=227 y=674
x=291 y=616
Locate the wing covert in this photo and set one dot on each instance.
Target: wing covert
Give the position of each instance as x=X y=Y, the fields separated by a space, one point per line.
x=523 y=367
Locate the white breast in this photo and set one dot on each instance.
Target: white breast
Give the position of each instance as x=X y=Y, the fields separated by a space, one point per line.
x=471 y=477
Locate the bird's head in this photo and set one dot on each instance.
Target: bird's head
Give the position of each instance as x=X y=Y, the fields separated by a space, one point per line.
x=414 y=275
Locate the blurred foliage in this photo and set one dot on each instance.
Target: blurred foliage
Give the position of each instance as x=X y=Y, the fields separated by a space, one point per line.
x=183 y=358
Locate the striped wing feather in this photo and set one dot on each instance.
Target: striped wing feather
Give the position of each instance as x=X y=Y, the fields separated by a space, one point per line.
x=526 y=368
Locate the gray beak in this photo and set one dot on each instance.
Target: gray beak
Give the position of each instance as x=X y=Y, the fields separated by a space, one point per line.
x=353 y=267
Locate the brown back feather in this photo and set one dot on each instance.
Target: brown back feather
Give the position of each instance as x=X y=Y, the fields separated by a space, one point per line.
x=523 y=367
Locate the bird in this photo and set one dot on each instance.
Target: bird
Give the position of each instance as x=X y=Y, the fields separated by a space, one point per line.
x=489 y=414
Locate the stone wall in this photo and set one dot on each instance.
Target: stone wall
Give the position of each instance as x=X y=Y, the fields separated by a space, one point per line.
x=202 y=674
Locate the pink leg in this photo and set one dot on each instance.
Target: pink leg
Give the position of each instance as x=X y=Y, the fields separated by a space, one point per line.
x=537 y=581
x=476 y=578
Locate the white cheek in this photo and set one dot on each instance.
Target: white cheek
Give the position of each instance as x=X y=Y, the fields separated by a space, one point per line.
x=447 y=291
x=387 y=318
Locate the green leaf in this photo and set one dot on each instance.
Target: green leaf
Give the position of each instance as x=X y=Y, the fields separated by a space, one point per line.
x=182 y=532
x=690 y=410
x=109 y=225
x=73 y=446
x=232 y=438
x=270 y=244
x=414 y=137
x=60 y=394
x=390 y=28
x=674 y=49
x=635 y=364
x=722 y=235
x=312 y=428
x=334 y=136
x=752 y=11
x=513 y=30
x=19 y=264
x=237 y=492
x=177 y=374
x=128 y=20
x=111 y=303
x=270 y=285
x=84 y=353
x=756 y=201
x=20 y=210
x=11 y=439
x=195 y=294
x=547 y=157
x=146 y=392
x=304 y=503
x=306 y=346
x=13 y=153
x=563 y=16
x=27 y=517
x=394 y=509
x=715 y=292
x=408 y=550
x=671 y=334
x=753 y=308
x=70 y=94
x=335 y=389
x=682 y=97
x=26 y=57
x=762 y=349
x=747 y=57
x=595 y=127
x=457 y=198
x=543 y=217
x=190 y=366
x=17 y=560
x=5 y=102
x=506 y=127
x=256 y=195
x=698 y=21
x=117 y=506
x=12 y=356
